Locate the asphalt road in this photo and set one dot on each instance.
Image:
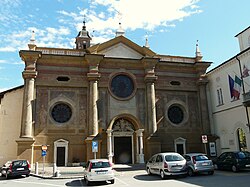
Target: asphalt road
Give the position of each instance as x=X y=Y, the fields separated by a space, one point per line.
x=141 y=179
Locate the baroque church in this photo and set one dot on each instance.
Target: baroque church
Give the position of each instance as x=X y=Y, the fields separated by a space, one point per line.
x=129 y=100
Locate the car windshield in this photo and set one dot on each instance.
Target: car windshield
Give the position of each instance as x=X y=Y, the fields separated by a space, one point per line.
x=172 y=158
x=100 y=164
x=200 y=157
x=20 y=163
x=7 y=164
x=243 y=154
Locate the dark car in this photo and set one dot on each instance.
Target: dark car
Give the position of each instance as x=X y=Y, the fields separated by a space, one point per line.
x=16 y=168
x=234 y=160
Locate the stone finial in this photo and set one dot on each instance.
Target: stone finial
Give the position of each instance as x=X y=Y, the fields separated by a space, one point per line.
x=146 y=43
x=32 y=45
x=120 y=31
x=198 y=54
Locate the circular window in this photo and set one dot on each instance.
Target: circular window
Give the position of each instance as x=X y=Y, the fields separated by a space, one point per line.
x=175 y=114
x=122 y=86
x=61 y=113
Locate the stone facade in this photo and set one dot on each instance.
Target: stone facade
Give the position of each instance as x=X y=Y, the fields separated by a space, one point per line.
x=130 y=100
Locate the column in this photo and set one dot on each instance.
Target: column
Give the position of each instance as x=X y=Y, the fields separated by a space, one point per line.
x=93 y=77
x=140 y=138
x=29 y=75
x=93 y=113
x=150 y=78
x=109 y=145
x=25 y=148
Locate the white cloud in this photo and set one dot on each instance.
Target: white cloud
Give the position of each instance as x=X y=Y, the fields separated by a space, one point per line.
x=102 y=16
x=7 y=49
x=140 y=14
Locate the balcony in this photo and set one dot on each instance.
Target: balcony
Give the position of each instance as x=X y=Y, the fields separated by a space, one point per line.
x=246 y=99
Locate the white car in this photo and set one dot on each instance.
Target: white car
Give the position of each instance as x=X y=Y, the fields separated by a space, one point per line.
x=99 y=170
x=165 y=164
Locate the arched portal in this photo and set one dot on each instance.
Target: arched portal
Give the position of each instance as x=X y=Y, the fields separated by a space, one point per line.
x=125 y=141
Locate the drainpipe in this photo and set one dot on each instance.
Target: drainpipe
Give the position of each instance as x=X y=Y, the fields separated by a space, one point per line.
x=248 y=124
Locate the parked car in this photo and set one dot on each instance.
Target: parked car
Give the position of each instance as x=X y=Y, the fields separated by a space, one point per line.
x=99 y=170
x=233 y=160
x=198 y=163
x=16 y=168
x=165 y=164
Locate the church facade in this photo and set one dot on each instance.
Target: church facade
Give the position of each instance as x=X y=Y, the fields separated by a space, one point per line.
x=126 y=100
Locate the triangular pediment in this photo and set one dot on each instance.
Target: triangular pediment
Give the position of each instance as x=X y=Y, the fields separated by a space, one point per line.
x=121 y=47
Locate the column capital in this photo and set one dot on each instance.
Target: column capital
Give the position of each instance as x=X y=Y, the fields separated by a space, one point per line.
x=202 y=80
x=109 y=131
x=139 y=132
x=93 y=61
x=149 y=66
x=30 y=58
x=149 y=63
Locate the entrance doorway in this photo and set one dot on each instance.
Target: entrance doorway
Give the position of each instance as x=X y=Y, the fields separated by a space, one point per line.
x=60 y=157
x=180 y=145
x=123 y=150
x=61 y=152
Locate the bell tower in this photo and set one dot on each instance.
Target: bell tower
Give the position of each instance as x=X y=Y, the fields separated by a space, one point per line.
x=83 y=39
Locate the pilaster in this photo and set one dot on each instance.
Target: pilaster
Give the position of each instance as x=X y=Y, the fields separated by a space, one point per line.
x=202 y=82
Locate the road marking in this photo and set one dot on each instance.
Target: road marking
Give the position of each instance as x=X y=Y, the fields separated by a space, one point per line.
x=45 y=184
x=122 y=181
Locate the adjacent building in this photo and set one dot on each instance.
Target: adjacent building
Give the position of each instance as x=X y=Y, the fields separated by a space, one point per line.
x=115 y=99
x=229 y=99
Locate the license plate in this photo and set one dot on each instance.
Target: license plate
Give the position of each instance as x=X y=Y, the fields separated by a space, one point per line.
x=101 y=172
x=18 y=169
x=204 y=164
x=247 y=166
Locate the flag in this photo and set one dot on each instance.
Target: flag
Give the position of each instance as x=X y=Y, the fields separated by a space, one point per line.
x=231 y=86
x=237 y=87
x=245 y=72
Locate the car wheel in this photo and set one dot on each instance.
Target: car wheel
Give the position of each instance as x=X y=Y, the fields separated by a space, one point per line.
x=27 y=175
x=210 y=172
x=148 y=171
x=190 y=172
x=234 y=168
x=162 y=175
x=112 y=181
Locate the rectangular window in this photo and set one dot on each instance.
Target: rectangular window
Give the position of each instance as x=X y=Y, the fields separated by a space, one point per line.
x=220 y=97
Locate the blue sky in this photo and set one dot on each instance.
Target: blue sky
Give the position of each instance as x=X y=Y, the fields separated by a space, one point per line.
x=172 y=27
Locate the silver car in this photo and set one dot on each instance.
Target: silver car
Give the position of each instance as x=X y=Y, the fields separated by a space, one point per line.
x=199 y=163
x=99 y=170
x=165 y=164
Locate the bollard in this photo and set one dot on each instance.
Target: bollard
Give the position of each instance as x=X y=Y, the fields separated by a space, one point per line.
x=54 y=170
x=36 y=168
x=57 y=173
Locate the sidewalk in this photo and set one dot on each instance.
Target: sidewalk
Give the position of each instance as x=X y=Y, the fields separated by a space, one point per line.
x=77 y=172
